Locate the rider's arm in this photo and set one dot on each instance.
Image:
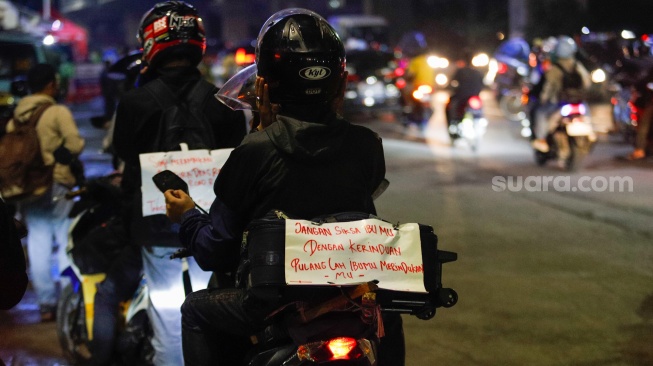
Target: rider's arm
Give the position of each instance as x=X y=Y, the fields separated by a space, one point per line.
x=552 y=85
x=214 y=239
x=585 y=76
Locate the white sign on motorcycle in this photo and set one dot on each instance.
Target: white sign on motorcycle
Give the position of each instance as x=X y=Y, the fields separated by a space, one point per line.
x=199 y=168
x=347 y=253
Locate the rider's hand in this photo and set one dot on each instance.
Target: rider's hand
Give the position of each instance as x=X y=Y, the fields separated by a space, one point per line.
x=267 y=112
x=177 y=203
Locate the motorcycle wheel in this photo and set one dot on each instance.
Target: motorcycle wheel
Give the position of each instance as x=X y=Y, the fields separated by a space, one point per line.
x=580 y=147
x=512 y=107
x=541 y=158
x=71 y=325
x=134 y=343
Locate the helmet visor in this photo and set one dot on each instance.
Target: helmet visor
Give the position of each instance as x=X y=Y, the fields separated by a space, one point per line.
x=239 y=92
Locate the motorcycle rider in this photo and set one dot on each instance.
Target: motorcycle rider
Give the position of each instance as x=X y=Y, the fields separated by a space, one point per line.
x=306 y=161
x=418 y=72
x=554 y=92
x=644 y=102
x=466 y=82
x=173 y=40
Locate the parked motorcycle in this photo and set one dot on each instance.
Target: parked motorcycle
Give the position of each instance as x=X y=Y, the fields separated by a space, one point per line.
x=466 y=121
x=96 y=237
x=571 y=140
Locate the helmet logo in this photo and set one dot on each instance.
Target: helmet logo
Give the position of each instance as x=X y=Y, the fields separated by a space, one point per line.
x=160 y=24
x=178 y=21
x=315 y=73
x=147 y=47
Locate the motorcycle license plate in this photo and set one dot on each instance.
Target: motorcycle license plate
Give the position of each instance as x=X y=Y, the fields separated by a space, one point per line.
x=579 y=129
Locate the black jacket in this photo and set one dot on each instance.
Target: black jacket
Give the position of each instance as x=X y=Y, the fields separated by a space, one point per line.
x=304 y=169
x=137 y=120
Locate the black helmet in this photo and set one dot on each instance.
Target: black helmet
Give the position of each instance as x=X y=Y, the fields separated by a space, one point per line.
x=171 y=28
x=300 y=56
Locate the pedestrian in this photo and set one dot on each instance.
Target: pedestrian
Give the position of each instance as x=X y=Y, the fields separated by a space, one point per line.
x=47 y=217
x=173 y=41
x=305 y=160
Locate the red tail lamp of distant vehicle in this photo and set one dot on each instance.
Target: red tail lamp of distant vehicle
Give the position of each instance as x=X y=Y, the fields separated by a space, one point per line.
x=502 y=68
x=244 y=58
x=475 y=103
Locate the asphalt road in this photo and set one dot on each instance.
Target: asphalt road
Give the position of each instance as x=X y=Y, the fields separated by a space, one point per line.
x=555 y=277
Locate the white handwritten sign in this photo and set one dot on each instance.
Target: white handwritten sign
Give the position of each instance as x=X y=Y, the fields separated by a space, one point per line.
x=199 y=168
x=346 y=253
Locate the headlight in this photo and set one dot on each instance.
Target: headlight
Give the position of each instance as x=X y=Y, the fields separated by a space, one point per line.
x=437 y=62
x=598 y=76
x=441 y=79
x=480 y=60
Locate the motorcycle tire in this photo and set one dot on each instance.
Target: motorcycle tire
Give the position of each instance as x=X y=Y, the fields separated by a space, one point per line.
x=541 y=158
x=512 y=107
x=134 y=342
x=580 y=147
x=71 y=325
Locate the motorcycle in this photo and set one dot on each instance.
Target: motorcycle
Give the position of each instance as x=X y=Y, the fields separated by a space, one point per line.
x=466 y=121
x=95 y=237
x=571 y=140
x=416 y=106
x=345 y=326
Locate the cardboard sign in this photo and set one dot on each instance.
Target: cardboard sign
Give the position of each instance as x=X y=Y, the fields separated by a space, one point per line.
x=199 y=168
x=347 y=253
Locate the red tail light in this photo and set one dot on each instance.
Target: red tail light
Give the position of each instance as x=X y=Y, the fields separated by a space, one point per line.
x=353 y=78
x=243 y=58
x=340 y=347
x=502 y=68
x=475 y=103
x=572 y=109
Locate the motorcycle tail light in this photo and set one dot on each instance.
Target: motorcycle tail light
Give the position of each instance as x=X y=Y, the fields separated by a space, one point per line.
x=475 y=103
x=244 y=58
x=353 y=78
x=342 y=348
x=502 y=68
x=570 y=109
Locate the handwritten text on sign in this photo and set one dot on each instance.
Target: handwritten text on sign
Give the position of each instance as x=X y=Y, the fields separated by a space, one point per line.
x=198 y=168
x=346 y=253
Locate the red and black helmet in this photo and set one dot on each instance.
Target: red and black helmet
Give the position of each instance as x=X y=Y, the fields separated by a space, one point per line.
x=300 y=56
x=171 y=28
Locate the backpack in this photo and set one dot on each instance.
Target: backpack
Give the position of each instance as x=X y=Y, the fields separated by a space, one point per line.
x=570 y=80
x=23 y=174
x=181 y=119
